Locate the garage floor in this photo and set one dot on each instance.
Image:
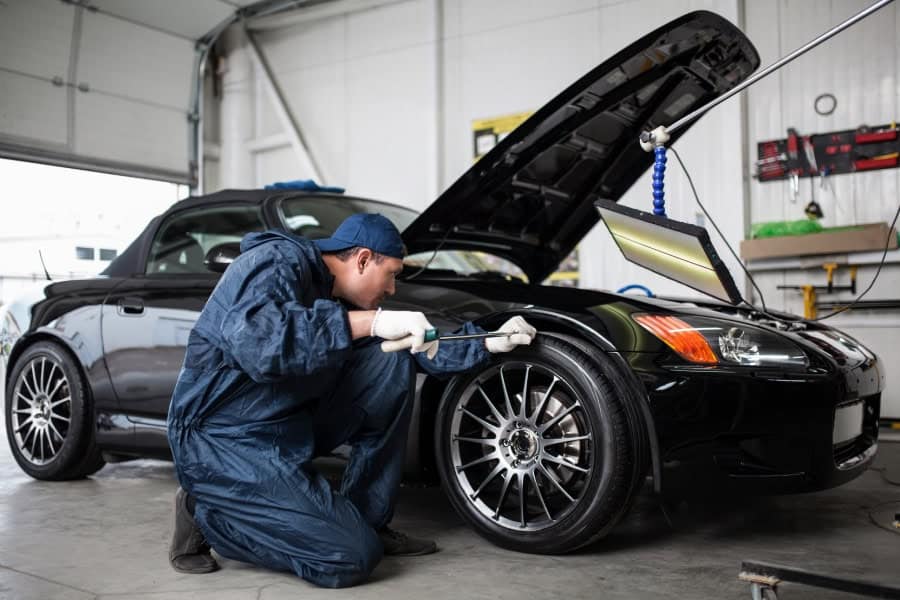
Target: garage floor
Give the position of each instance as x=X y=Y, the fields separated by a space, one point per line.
x=107 y=538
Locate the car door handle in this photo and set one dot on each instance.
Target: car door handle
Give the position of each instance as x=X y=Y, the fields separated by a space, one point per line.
x=131 y=306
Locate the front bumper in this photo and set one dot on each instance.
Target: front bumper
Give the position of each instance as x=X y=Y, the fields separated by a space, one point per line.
x=765 y=432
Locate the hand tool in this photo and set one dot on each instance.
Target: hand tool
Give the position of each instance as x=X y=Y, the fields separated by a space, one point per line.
x=433 y=334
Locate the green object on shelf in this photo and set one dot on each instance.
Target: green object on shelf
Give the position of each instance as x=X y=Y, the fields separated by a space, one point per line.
x=783 y=228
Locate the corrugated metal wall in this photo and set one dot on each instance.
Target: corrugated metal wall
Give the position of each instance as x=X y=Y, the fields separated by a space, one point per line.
x=860 y=66
x=387 y=96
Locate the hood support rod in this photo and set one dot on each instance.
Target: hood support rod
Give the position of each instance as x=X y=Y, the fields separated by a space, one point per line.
x=654 y=141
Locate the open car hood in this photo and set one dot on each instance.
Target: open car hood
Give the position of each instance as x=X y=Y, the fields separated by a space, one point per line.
x=530 y=199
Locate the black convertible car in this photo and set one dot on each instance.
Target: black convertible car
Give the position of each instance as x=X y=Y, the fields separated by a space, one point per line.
x=542 y=450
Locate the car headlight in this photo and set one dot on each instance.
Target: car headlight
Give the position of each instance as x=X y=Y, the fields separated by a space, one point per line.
x=711 y=341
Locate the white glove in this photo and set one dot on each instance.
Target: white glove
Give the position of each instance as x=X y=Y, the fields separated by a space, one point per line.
x=400 y=324
x=521 y=333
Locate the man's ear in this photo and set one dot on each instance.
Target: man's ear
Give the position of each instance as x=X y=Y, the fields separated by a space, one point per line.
x=363 y=258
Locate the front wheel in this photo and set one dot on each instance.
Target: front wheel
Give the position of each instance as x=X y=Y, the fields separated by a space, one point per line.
x=536 y=451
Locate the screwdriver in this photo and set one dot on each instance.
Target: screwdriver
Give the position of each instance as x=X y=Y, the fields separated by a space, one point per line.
x=433 y=334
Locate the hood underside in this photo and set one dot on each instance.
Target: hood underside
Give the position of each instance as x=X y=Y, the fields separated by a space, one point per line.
x=530 y=199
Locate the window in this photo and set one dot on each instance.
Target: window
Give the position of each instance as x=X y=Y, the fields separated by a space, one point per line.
x=108 y=253
x=181 y=243
x=317 y=218
x=83 y=253
x=467 y=262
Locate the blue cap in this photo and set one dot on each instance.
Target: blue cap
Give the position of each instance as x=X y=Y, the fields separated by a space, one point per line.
x=369 y=230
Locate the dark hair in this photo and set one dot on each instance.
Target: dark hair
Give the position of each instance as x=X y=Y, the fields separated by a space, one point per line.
x=348 y=253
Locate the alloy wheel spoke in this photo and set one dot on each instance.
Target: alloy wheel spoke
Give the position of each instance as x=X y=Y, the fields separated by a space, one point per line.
x=509 y=409
x=56 y=403
x=56 y=431
x=34 y=379
x=480 y=421
x=491 y=476
x=523 y=408
x=24 y=424
x=43 y=383
x=537 y=490
x=490 y=404
x=563 y=462
x=507 y=477
x=540 y=407
x=473 y=440
x=27 y=436
x=41 y=442
x=558 y=418
x=563 y=440
x=521 y=477
x=54 y=415
x=553 y=480
x=28 y=385
x=50 y=443
x=33 y=440
x=27 y=411
x=478 y=461
x=53 y=369
x=55 y=389
x=26 y=399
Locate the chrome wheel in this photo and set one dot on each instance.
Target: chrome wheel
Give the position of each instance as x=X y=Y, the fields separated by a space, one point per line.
x=40 y=410
x=521 y=446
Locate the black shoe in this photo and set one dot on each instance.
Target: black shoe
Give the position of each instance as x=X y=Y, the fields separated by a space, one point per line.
x=189 y=552
x=400 y=544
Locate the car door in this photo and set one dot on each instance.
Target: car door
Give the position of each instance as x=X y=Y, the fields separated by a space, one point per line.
x=147 y=319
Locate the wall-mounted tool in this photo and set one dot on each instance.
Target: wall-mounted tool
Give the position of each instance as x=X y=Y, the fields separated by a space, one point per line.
x=810 y=292
x=837 y=152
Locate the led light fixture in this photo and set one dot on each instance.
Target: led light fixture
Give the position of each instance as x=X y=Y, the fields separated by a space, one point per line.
x=673 y=249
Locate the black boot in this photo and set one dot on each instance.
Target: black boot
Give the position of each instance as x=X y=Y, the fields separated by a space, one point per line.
x=400 y=544
x=189 y=552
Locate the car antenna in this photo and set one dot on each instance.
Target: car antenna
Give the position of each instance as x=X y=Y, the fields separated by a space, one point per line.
x=46 y=273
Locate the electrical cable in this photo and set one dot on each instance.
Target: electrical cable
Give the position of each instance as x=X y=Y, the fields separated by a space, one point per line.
x=433 y=255
x=721 y=235
x=887 y=245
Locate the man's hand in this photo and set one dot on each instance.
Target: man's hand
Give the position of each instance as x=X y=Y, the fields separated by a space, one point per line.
x=521 y=333
x=399 y=324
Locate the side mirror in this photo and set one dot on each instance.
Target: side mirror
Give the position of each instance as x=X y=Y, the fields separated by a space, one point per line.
x=221 y=255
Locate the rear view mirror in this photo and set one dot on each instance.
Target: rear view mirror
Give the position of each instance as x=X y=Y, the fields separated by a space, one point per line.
x=221 y=255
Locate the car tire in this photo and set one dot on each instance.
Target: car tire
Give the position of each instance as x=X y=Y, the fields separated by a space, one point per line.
x=549 y=475
x=49 y=417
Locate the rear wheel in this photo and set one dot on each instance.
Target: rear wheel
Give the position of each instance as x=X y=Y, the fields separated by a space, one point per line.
x=536 y=451
x=49 y=420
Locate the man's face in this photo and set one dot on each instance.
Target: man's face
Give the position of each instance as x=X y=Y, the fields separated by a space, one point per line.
x=370 y=281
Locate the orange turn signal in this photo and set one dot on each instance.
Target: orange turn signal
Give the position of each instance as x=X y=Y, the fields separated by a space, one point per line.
x=679 y=336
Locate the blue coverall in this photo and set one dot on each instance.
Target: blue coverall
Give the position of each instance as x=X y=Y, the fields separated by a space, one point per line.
x=271 y=379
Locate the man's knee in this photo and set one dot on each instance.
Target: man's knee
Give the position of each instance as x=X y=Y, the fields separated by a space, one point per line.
x=355 y=564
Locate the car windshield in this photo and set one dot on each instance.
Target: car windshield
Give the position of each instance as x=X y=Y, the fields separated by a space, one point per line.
x=318 y=217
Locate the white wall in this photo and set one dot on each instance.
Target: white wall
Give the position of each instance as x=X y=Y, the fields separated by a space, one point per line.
x=386 y=98
x=860 y=66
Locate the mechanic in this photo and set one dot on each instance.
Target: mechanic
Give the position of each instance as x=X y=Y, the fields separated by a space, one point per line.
x=284 y=364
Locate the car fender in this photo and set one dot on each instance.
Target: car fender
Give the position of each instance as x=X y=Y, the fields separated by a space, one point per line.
x=68 y=313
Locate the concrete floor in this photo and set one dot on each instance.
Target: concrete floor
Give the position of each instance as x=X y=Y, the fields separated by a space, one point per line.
x=107 y=537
